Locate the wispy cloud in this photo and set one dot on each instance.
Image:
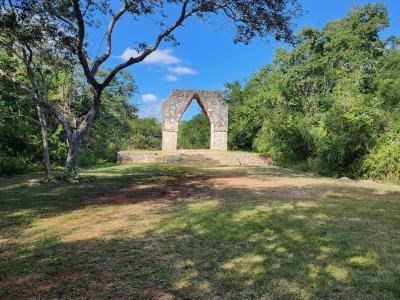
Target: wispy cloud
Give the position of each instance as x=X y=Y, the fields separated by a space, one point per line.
x=181 y=70
x=171 y=65
x=146 y=98
x=161 y=57
x=170 y=78
x=152 y=110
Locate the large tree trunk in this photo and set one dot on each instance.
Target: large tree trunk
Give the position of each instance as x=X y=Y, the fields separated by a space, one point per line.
x=76 y=135
x=45 y=140
x=73 y=149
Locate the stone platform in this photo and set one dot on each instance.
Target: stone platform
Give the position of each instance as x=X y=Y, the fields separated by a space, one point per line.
x=194 y=156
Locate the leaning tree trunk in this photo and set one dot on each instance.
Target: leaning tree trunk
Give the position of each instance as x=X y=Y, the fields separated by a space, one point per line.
x=45 y=140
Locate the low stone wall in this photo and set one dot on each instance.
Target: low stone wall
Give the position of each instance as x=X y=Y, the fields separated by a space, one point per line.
x=194 y=156
x=254 y=159
x=138 y=157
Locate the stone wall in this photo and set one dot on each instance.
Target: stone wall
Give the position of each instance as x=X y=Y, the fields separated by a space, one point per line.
x=194 y=157
x=212 y=105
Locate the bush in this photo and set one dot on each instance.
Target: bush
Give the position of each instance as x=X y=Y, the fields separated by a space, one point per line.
x=17 y=165
x=383 y=163
x=145 y=134
x=349 y=133
x=288 y=140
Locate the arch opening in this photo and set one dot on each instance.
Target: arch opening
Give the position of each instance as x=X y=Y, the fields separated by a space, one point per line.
x=194 y=129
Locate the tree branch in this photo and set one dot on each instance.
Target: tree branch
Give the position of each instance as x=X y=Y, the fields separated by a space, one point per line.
x=11 y=7
x=80 y=43
x=57 y=16
x=110 y=29
x=133 y=60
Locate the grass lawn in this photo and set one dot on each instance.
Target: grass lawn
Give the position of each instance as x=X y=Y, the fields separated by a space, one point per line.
x=167 y=232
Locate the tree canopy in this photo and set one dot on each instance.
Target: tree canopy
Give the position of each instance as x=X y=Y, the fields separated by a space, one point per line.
x=330 y=104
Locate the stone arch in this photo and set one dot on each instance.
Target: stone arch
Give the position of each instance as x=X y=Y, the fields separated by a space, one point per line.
x=212 y=105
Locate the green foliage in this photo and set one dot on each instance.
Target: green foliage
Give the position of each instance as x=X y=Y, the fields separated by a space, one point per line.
x=145 y=134
x=383 y=163
x=288 y=139
x=195 y=133
x=19 y=130
x=349 y=133
x=21 y=144
x=325 y=104
x=112 y=130
x=246 y=115
x=117 y=126
x=10 y=165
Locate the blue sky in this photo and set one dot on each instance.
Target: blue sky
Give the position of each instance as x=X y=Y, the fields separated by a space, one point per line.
x=206 y=57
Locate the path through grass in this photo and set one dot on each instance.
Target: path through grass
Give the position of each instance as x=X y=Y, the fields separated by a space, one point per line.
x=167 y=232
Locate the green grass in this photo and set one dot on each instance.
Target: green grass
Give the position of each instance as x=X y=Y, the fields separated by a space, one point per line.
x=163 y=231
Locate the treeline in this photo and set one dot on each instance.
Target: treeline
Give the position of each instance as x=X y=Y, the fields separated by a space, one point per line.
x=331 y=104
x=117 y=126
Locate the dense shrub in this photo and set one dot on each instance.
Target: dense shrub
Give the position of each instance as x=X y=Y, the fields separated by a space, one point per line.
x=17 y=165
x=288 y=139
x=349 y=132
x=383 y=163
x=144 y=134
x=105 y=140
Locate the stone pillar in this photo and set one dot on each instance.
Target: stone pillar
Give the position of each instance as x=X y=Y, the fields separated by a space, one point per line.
x=219 y=140
x=169 y=140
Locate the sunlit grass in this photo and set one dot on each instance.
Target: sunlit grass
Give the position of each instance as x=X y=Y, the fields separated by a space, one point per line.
x=165 y=231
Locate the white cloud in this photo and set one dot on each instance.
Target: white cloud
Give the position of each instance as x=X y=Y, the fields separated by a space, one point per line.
x=128 y=53
x=153 y=110
x=180 y=70
x=149 y=98
x=170 y=78
x=161 y=57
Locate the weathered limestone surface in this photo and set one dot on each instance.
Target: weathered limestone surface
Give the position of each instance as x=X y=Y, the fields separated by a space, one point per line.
x=210 y=102
x=216 y=111
x=194 y=156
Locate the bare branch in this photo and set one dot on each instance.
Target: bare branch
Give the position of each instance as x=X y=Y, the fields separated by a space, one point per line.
x=133 y=60
x=11 y=7
x=80 y=44
x=110 y=29
x=89 y=117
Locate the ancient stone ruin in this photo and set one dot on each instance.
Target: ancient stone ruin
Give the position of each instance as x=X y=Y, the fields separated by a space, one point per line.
x=216 y=111
x=212 y=105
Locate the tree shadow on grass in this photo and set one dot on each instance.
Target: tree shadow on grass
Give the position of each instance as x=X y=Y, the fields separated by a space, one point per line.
x=19 y=200
x=21 y=203
x=238 y=243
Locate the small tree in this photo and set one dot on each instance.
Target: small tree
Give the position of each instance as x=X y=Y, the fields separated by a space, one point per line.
x=65 y=22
